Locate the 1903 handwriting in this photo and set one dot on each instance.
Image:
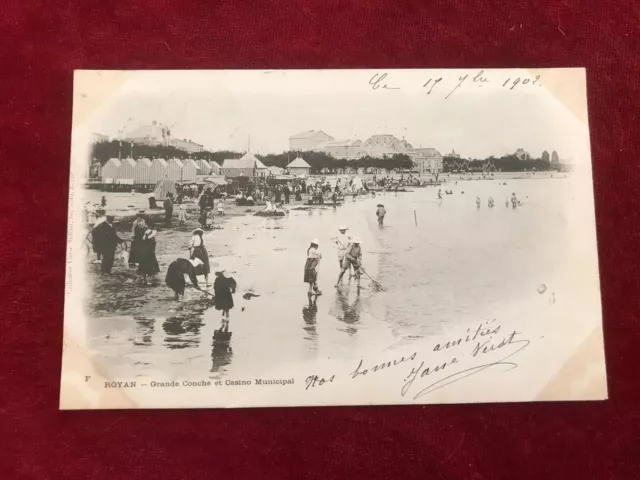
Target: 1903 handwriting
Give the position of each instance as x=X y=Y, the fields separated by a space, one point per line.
x=381 y=80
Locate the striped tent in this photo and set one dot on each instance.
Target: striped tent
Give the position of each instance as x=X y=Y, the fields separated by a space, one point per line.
x=204 y=167
x=215 y=168
x=142 y=172
x=126 y=168
x=109 y=171
x=174 y=169
x=189 y=170
x=158 y=170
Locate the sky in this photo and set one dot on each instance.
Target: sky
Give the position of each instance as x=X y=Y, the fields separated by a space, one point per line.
x=221 y=110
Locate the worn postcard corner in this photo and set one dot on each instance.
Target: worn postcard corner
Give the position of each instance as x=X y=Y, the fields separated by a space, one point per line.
x=330 y=237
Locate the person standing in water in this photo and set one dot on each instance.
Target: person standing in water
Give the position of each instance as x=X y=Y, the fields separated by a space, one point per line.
x=311 y=268
x=342 y=241
x=478 y=202
x=224 y=288
x=491 y=203
x=103 y=202
x=380 y=213
x=352 y=258
x=199 y=251
x=514 y=200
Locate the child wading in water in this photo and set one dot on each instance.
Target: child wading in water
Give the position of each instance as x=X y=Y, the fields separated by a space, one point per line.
x=311 y=268
x=380 y=213
x=224 y=288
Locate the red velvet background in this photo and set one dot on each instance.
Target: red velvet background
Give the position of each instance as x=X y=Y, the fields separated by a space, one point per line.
x=40 y=45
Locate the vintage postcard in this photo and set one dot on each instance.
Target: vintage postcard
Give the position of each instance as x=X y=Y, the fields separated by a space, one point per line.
x=330 y=237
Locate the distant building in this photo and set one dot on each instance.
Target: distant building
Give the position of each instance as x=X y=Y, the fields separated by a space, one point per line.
x=381 y=145
x=276 y=170
x=453 y=154
x=342 y=149
x=186 y=145
x=522 y=155
x=299 y=167
x=247 y=166
x=99 y=138
x=555 y=159
x=154 y=134
x=428 y=160
x=305 y=141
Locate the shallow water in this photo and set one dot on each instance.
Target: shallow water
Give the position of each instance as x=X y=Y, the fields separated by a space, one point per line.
x=447 y=264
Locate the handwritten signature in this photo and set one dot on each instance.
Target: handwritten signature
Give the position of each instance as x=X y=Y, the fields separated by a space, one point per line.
x=481 y=348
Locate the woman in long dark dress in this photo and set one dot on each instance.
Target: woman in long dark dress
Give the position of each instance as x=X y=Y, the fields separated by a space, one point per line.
x=148 y=263
x=198 y=250
x=138 y=230
x=224 y=288
x=311 y=267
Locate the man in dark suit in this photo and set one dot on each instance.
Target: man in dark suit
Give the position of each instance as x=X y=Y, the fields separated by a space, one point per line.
x=106 y=240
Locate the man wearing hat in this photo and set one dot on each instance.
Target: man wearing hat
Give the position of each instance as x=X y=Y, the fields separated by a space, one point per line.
x=342 y=241
x=352 y=258
x=105 y=241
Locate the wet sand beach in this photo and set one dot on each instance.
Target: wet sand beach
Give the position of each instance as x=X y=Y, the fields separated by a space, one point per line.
x=431 y=263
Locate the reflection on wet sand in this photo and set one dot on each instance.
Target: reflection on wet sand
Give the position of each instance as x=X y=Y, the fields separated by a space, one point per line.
x=221 y=355
x=182 y=332
x=347 y=308
x=309 y=315
x=144 y=331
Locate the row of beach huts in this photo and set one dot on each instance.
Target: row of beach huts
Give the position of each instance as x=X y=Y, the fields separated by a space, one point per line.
x=148 y=172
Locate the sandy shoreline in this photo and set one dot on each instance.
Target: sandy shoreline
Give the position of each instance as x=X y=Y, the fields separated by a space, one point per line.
x=110 y=299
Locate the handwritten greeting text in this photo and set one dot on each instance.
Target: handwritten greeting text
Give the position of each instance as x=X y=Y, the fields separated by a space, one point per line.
x=488 y=346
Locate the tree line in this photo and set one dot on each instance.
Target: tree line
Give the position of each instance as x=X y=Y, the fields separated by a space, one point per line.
x=320 y=161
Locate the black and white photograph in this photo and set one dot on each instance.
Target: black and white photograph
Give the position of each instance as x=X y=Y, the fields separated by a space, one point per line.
x=330 y=237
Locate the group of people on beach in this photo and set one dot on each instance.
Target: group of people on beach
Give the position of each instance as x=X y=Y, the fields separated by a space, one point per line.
x=142 y=256
x=349 y=250
x=491 y=202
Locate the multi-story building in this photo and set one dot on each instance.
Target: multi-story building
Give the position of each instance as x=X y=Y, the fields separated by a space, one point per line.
x=522 y=155
x=186 y=145
x=154 y=134
x=453 y=154
x=306 y=141
x=381 y=145
x=342 y=149
x=428 y=160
